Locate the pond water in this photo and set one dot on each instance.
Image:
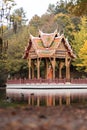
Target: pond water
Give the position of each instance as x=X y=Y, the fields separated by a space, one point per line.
x=42 y=97
x=48 y=96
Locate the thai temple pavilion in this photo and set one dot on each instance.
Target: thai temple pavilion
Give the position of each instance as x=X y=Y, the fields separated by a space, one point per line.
x=54 y=51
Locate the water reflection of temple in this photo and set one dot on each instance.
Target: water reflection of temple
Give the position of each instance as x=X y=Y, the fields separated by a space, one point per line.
x=54 y=97
x=50 y=53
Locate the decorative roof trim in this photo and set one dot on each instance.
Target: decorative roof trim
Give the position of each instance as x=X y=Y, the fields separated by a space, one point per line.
x=33 y=45
x=42 y=51
x=46 y=38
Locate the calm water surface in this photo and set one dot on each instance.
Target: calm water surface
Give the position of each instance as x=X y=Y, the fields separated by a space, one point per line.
x=53 y=95
x=21 y=96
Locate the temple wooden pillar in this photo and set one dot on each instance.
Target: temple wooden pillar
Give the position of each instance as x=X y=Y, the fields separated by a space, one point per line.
x=46 y=69
x=38 y=68
x=67 y=64
x=53 y=64
x=29 y=65
x=32 y=70
x=61 y=64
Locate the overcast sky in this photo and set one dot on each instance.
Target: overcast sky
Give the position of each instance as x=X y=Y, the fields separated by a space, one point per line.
x=32 y=7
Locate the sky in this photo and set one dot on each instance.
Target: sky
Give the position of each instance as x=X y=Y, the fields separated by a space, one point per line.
x=33 y=7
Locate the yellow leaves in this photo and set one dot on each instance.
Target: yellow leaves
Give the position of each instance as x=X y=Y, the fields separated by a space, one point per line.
x=79 y=65
x=83 y=19
x=80 y=37
x=83 y=50
x=83 y=56
x=60 y=15
x=4 y=27
x=18 y=18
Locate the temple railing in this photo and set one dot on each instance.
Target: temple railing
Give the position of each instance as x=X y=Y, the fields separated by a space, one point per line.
x=79 y=81
x=30 y=81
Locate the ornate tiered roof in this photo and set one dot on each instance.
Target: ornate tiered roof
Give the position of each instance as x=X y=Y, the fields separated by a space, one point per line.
x=48 y=45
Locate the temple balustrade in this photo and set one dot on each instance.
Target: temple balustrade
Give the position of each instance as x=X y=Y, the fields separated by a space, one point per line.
x=48 y=81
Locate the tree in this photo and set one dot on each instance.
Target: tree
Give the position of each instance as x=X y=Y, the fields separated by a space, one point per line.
x=48 y=23
x=65 y=24
x=79 y=38
x=15 y=62
x=18 y=18
x=51 y=9
x=61 y=7
x=83 y=57
x=76 y=22
x=5 y=8
x=35 y=24
x=77 y=7
x=3 y=72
